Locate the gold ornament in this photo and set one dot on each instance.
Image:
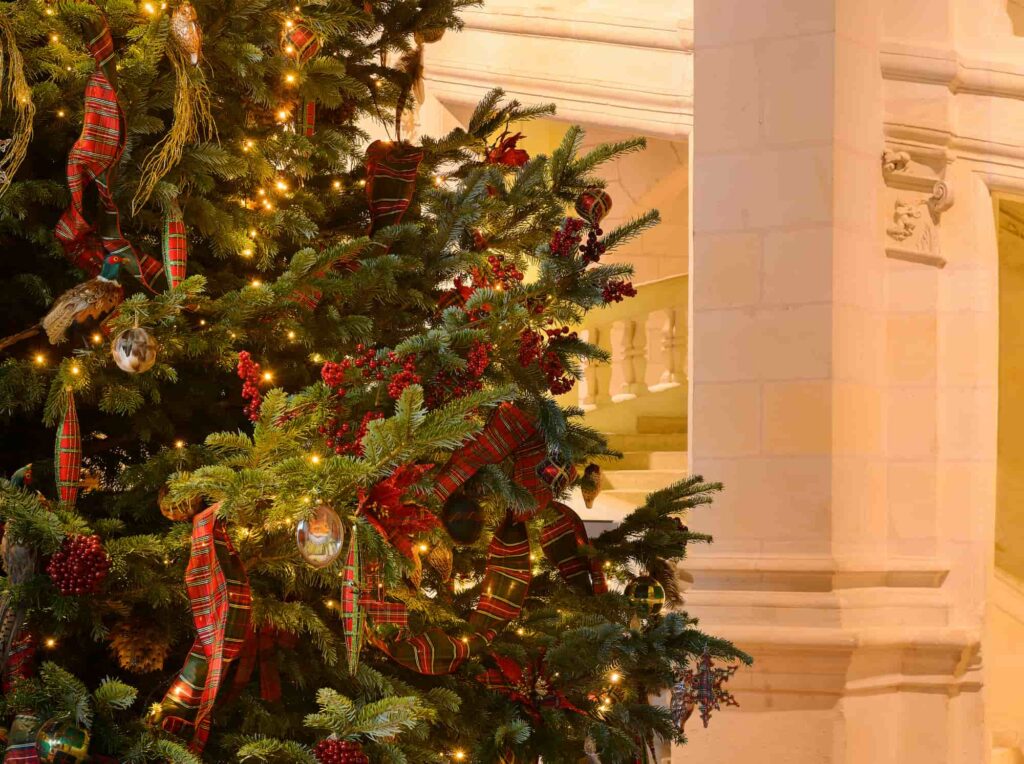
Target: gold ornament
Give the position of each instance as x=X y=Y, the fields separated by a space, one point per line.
x=428 y=35
x=441 y=560
x=139 y=647
x=186 y=31
x=178 y=511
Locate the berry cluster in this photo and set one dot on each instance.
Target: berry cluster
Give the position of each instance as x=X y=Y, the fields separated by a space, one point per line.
x=402 y=372
x=505 y=274
x=339 y=435
x=80 y=565
x=332 y=751
x=533 y=349
x=456 y=384
x=566 y=239
x=616 y=291
x=249 y=373
x=593 y=249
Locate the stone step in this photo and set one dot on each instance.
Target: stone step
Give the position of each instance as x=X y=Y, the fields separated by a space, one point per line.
x=661 y=424
x=648 y=460
x=639 y=480
x=648 y=441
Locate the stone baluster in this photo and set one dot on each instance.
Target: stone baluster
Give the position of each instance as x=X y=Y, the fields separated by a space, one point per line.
x=628 y=360
x=667 y=349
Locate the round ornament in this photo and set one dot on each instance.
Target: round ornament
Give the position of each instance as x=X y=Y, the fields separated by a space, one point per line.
x=134 y=350
x=320 y=537
x=463 y=518
x=593 y=204
x=59 y=742
x=647 y=595
x=179 y=511
x=300 y=42
x=427 y=36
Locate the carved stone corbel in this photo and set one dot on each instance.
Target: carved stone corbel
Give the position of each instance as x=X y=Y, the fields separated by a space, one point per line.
x=920 y=176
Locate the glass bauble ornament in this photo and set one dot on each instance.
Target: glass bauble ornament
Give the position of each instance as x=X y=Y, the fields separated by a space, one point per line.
x=134 y=350
x=320 y=537
x=60 y=742
x=647 y=595
x=463 y=518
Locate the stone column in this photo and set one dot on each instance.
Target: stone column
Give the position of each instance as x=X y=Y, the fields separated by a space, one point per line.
x=815 y=401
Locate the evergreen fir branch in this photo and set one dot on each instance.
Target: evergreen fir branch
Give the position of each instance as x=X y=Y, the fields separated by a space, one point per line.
x=631 y=229
x=273 y=751
x=113 y=695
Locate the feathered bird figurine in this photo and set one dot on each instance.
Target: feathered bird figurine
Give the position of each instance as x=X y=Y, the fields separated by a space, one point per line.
x=90 y=299
x=590 y=484
x=186 y=31
x=19 y=563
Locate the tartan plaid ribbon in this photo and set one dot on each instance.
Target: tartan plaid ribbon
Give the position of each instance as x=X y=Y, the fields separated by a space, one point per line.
x=352 y=614
x=93 y=159
x=67 y=453
x=175 y=246
x=506 y=578
x=561 y=540
x=390 y=181
x=260 y=646
x=221 y=602
x=307 y=118
x=378 y=610
x=20 y=662
x=21 y=742
x=509 y=433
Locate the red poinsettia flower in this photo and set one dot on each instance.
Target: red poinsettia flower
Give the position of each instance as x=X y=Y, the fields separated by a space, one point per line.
x=504 y=152
x=396 y=519
x=530 y=686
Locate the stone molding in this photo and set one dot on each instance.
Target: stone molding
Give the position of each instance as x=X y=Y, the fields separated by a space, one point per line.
x=526 y=39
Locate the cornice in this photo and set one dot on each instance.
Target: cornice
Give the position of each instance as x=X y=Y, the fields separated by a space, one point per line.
x=973 y=73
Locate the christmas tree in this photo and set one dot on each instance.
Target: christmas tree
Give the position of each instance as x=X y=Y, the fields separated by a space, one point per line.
x=285 y=465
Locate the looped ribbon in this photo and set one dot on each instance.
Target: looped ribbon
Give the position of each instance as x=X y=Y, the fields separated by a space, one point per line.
x=221 y=602
x=510 y=433
x=260 y=646
x=530 y=686
x=93 y=159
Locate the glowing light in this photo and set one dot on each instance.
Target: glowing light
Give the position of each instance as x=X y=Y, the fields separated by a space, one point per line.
x=362 y=183
x=289 y=78
x=438 y=180
x=520 y=631
x=289 y=49
x=40 y=359
x=202 y=322
x=54 y=37
x=179 y=444
x=315 y=458
x=97 y=338
x=252 y=233
x=50 y=643
x=281 y=185
x=61 y=113
x=49 y=11
x=330 y=604
x=232 y=335
x=261 y=191
x=268 y=206
x=336 y=184
x=291 y=335
x=282 y=114
x=149 y=8
x=424 y=548
x=267 y=376
x=317 y=358
x=255 y=283
x=615 y=677
x=459 y=755
x=76 y=370
x=289 y=23
x=247 y=252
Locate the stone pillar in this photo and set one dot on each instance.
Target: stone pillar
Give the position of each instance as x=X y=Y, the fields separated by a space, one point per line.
x=816 y=400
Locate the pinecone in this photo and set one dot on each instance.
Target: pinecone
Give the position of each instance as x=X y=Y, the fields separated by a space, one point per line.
x=139 y=647
x=333 y=751
x=80 y=565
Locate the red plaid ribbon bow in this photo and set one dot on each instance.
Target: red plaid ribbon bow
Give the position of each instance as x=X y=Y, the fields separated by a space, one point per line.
x=221 y=601
x=93 y=159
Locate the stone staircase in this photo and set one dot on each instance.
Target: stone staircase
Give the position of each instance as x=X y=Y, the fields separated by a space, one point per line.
x=653 y=457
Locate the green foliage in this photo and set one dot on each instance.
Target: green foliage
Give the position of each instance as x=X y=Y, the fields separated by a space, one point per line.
x=272 y=214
